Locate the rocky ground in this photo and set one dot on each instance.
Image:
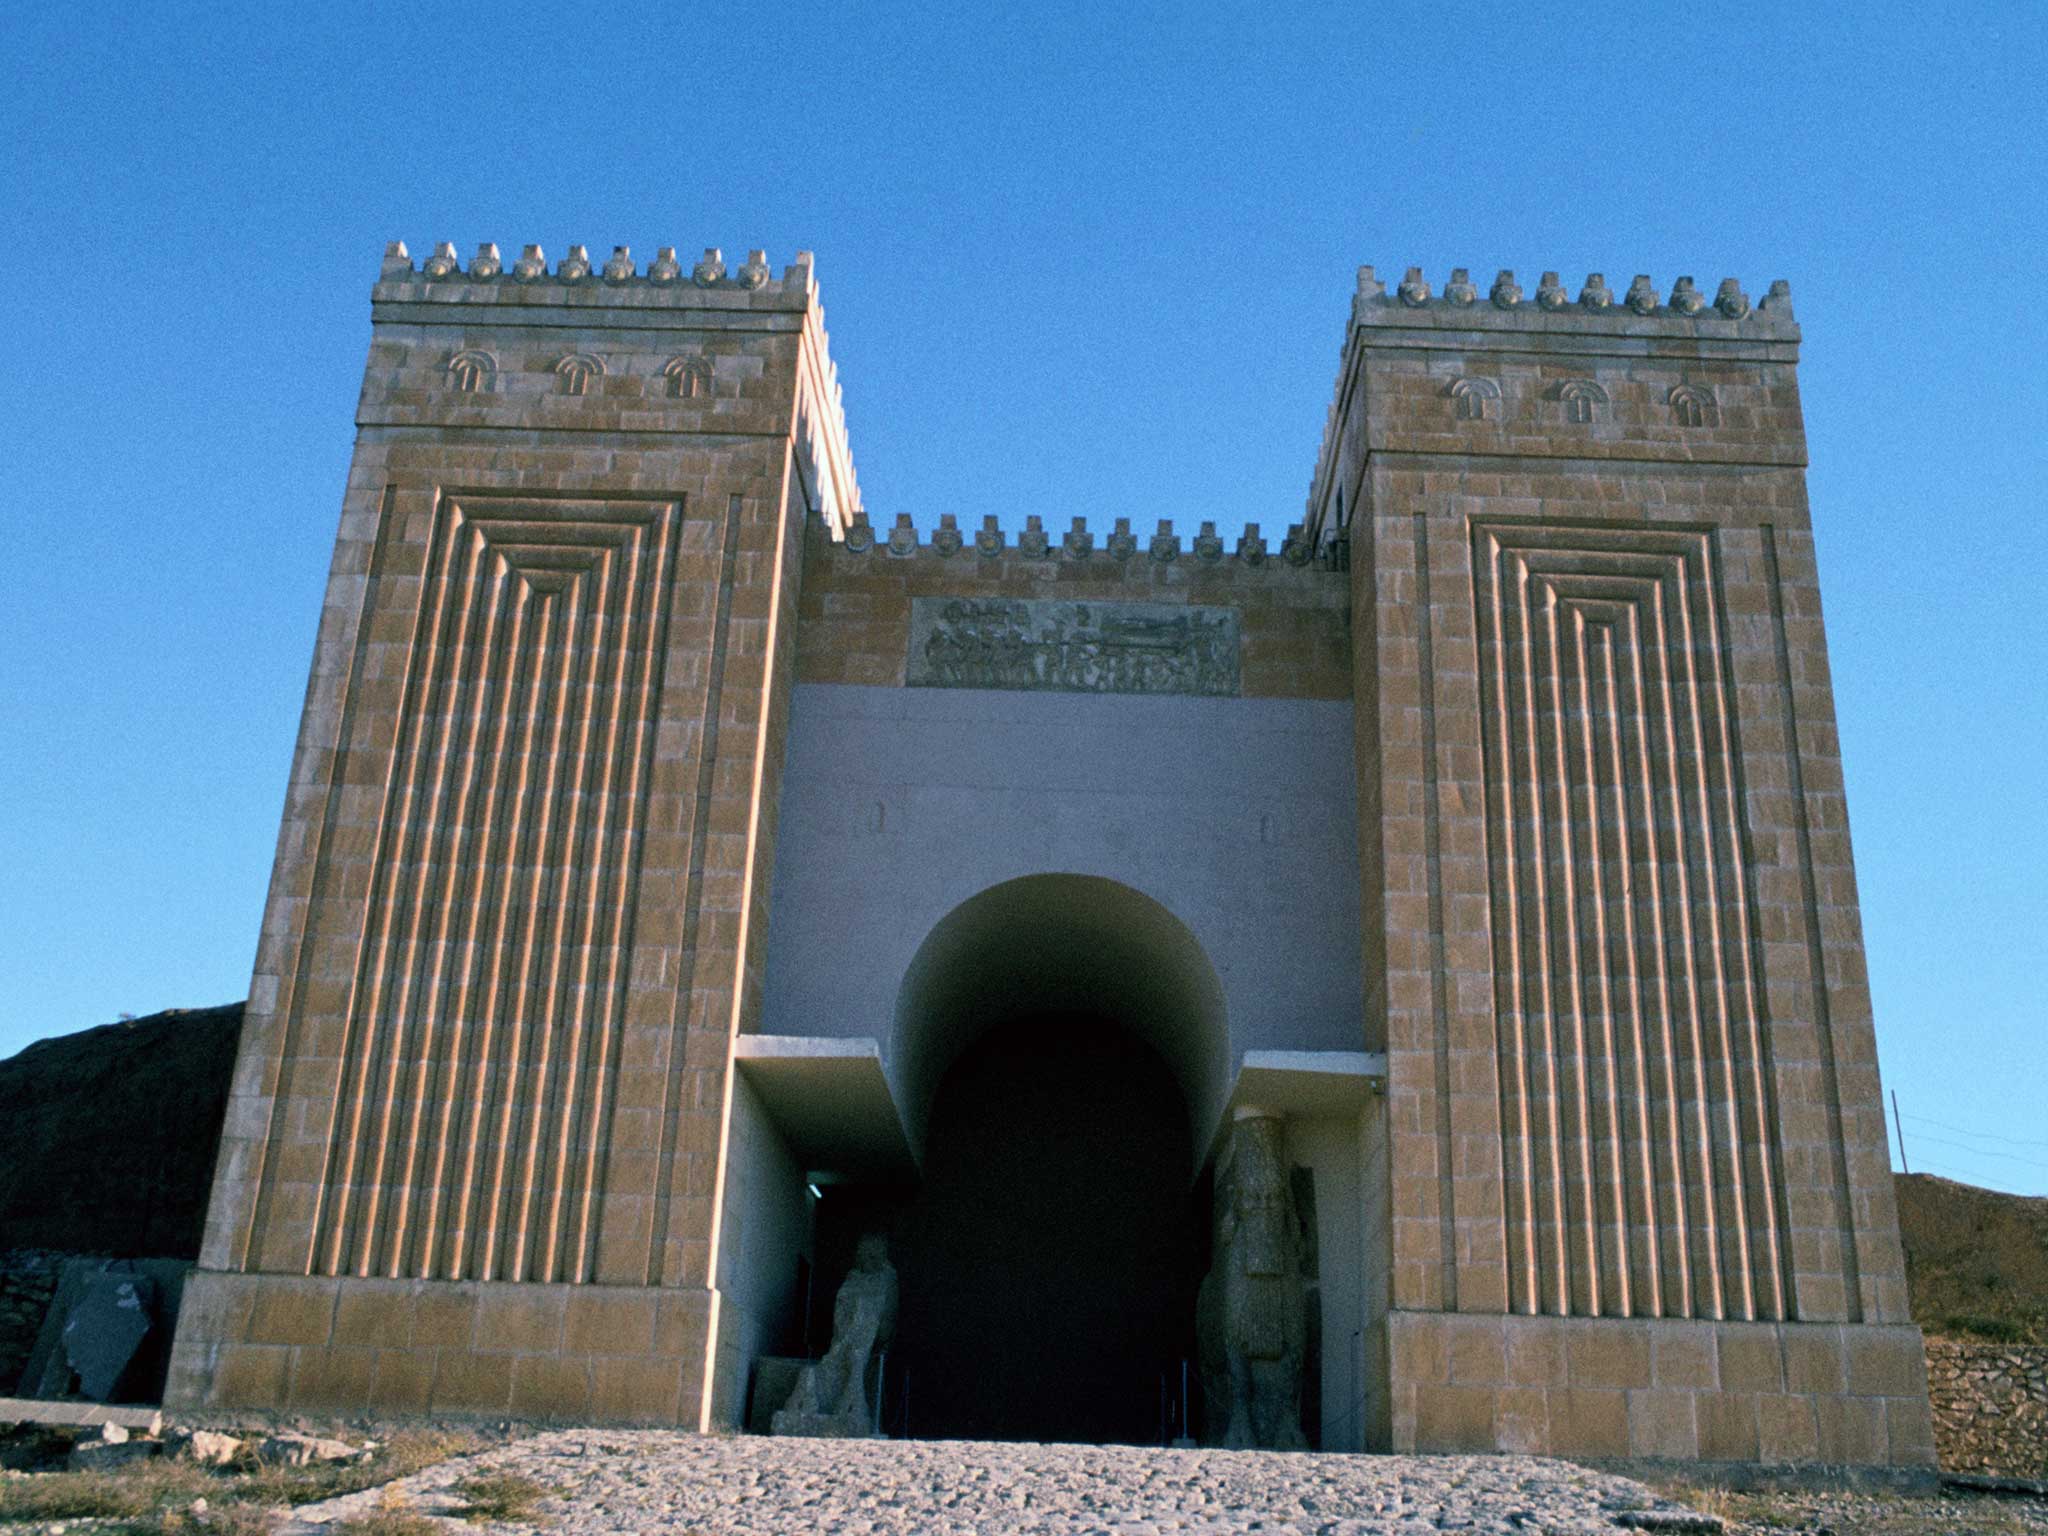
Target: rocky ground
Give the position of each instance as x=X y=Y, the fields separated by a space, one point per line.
x=622 y=1482
x=423 y=1481
x=1822 y=1510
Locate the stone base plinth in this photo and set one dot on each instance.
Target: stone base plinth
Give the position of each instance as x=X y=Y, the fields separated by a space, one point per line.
x=588 y=1353
x=1621 y=1387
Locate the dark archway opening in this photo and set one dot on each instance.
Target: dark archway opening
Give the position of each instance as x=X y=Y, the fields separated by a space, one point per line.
x=1049 y=1260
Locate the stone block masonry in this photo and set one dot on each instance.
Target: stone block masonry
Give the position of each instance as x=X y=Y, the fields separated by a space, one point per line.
x=1292 y=608
x=517 y=913
x=1631 y=1074
x=1622 y=1184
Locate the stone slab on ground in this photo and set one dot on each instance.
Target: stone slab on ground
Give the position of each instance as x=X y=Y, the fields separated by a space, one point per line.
x=647 y=1481
x=34 y=1410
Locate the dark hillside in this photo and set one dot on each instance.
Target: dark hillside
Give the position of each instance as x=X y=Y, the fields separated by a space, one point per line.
x=107 y=1137
x=1976 y=1260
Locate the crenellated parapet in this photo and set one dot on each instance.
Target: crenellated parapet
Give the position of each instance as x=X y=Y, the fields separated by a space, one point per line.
x=1639 y=372
x=1078 y=543
x=662 y=347
x=862 y=596
x=664 y=280
x=1639 y=310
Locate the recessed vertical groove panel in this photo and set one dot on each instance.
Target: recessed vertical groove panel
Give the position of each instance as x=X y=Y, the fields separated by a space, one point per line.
x=482 y=1036
x=1641 y=1161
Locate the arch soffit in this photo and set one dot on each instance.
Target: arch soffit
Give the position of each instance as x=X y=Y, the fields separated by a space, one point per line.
x=1047 y=943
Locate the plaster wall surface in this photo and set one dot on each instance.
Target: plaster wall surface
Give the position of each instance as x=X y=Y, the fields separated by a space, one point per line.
x=1329 y=1149
x=1234 y=814
x=767 y=1226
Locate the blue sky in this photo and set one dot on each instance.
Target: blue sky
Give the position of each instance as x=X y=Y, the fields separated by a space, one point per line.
x=1077 y=260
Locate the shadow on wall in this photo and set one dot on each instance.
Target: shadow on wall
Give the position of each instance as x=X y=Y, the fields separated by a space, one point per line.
x=1071 y=945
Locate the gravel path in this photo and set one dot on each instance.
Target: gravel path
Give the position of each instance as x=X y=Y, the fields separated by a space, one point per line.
x=614 y=1481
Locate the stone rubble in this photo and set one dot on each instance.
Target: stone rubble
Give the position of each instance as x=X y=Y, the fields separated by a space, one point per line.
x=109 y=1446
x=652 y=1481
x=290 y=1449
x=205 y=1446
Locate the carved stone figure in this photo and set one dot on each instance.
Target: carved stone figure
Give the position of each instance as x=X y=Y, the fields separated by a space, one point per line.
x=1251 y=1312
x=831 y=1397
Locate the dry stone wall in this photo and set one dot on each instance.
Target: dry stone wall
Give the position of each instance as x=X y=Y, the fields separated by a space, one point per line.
x=1990 y=1405
x=28 y=1279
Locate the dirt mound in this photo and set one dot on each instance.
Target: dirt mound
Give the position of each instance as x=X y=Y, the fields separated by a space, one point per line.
x=1976 y=1260
x=107 y=1137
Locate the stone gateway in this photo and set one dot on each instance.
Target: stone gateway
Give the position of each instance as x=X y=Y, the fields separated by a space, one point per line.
x=1400 y=989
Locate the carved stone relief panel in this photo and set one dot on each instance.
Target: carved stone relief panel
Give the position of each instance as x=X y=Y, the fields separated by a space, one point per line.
x=1045 y=644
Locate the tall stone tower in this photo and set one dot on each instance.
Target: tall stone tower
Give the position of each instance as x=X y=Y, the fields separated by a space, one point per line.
x=474 y=1152
x=1635 y=1167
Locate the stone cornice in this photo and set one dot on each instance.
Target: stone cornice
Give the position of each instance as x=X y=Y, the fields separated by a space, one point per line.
x=1550 y=323
x=618 y=294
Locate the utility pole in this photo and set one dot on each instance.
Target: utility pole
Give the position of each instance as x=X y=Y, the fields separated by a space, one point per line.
x=1901 y=1129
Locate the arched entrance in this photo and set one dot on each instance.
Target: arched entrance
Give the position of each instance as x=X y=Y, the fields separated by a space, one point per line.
x=1050 y=1257
x=1060 y=1049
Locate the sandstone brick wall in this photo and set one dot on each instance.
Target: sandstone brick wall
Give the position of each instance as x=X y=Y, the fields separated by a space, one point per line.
x=1631 y=1067
x=530 y=1351
x=1990 y=1405
x=854 y=620
x=1612 y=1388
x=517 y=912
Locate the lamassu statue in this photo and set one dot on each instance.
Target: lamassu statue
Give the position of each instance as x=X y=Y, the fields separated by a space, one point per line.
x=831 y=1397
x=1252 y=1313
